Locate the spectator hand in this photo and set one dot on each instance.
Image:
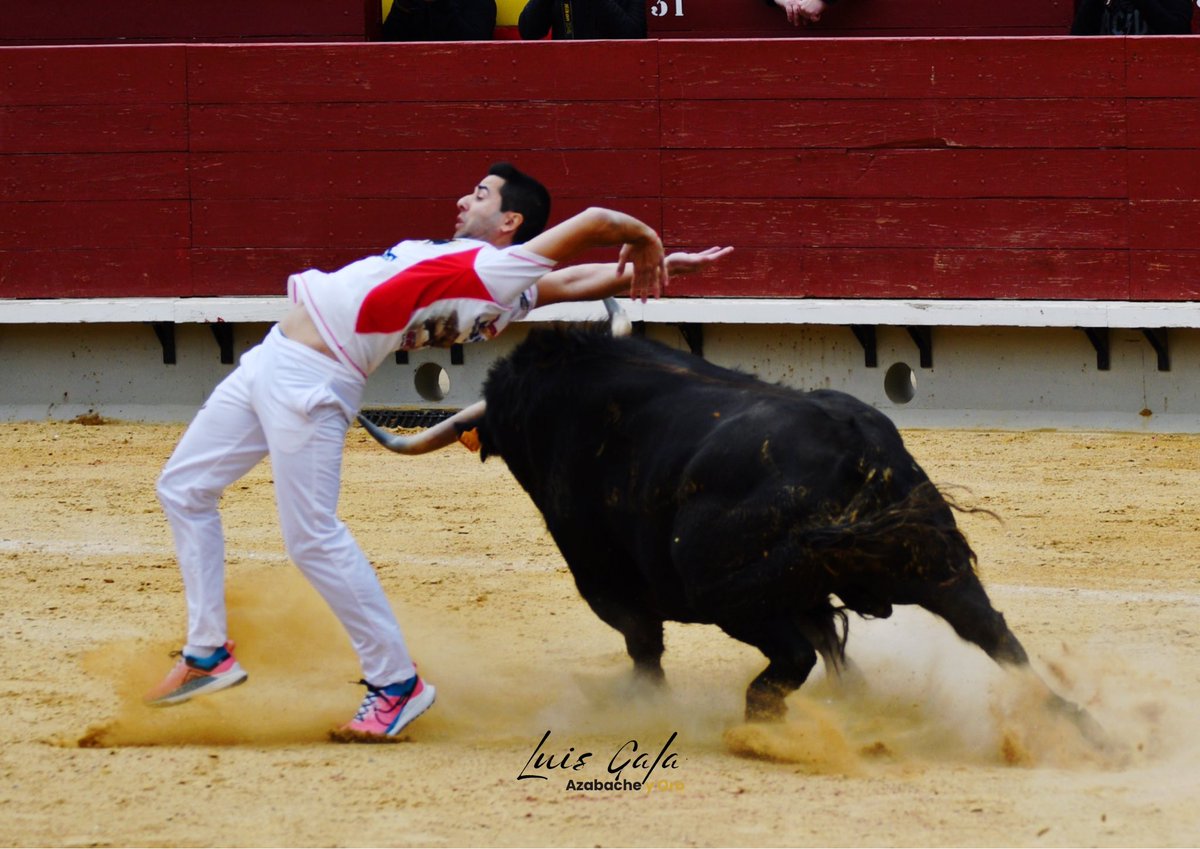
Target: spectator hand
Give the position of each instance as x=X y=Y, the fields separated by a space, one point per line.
x=802 y=12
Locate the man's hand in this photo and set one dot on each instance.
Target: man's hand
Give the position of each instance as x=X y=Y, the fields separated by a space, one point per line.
x=801 y=12
x=686 y=263
x=649 y=263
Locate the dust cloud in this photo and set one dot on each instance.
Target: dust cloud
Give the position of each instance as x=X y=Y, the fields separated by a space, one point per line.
x=914 y=694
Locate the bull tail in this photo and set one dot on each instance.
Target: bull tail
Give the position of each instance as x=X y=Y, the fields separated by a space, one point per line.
x=827 y=628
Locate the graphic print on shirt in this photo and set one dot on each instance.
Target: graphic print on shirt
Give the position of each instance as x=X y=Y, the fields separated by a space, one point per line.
x=423 y=301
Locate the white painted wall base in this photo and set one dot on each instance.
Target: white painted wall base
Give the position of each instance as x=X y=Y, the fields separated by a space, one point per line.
x=982 y=376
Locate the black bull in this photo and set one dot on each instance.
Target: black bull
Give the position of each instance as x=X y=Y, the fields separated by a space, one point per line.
x=681 y=491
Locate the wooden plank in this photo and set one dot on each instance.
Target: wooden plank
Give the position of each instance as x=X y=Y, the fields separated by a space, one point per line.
x=76 y=20
x=945 y=172
x=949 y=68
x=277 y=18
x=705 y=17
x=1164 y=224
x=898 y=273
x=402 y=72
x=1164 y=174
x=70 y=225
x=1165 y=275
x=59 y=76
x=894 y=123
x=1163 y=66
x=100 y=177
x=595 y=174
x=260 y=271
x=424 y=126
x=38 y=21
x=58 y=273
x=93 y=129
x=367 y=224
x=1164 y=123
x=886 y=223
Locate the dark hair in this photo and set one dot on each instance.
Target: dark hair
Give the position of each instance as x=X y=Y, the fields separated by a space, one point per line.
x=521 y=193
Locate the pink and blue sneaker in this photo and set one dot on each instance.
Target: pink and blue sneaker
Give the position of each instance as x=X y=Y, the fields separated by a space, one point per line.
x=196 y=676
x=385 y=711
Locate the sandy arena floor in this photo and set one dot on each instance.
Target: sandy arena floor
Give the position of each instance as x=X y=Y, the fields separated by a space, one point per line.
x=1095 y=562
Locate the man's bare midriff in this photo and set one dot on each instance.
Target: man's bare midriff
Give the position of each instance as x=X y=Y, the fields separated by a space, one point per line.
x=298 y=326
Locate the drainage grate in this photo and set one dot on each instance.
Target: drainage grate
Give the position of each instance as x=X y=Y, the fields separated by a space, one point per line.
x=407 y=417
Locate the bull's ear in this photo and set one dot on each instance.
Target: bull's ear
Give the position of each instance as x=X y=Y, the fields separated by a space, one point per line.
x=618 y=320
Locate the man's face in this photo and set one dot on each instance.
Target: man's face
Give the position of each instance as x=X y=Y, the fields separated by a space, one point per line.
x=479 y=215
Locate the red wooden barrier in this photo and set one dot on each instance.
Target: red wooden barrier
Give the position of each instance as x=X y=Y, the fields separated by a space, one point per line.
x=961 y=168
x=89 y=21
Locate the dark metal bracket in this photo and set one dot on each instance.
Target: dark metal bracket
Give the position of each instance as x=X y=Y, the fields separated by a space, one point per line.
x=1158 y=341
x=165 y=331
x=457 y=356
x=222 y=331
x=693 y=334
x=923 y=336
x=1098 y=336
x=865 y=334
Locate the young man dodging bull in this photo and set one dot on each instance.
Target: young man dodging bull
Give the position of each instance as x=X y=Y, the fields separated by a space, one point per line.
x=294 y=396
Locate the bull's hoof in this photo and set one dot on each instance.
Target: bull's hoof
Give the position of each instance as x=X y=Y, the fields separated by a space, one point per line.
x=1089 y=728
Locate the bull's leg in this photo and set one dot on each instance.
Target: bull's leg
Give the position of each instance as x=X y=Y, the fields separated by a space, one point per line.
x=791 y=658
x=965 y=605
x=644 y=642
x=642 y=631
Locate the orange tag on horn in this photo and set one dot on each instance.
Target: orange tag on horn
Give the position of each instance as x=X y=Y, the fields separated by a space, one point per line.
x=470 y=438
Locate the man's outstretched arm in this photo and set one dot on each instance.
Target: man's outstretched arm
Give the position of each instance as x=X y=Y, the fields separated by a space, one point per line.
x=641 y=249
x=593 y=281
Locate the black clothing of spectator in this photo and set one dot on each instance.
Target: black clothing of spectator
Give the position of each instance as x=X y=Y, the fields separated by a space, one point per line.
x=583 y=19
x=440 y=20
x=1133 y=17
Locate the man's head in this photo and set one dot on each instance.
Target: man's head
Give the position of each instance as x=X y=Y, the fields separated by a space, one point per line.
x=507 y=207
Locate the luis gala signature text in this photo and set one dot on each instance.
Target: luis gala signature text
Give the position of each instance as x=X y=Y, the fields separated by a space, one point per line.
x=630 y=757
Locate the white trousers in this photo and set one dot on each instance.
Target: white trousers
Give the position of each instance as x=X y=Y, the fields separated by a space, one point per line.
x=295 y=404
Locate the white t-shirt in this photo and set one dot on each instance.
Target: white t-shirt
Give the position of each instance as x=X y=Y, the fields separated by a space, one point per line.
x=418 y=294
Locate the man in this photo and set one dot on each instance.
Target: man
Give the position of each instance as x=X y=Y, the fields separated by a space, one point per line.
x=294 y=396
x=582 y=19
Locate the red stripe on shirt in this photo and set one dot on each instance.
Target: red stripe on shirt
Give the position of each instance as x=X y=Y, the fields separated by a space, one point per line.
x=389 y=307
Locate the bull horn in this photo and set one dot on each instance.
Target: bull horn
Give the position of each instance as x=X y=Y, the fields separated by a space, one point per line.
x=440 y=435
x=618 y=321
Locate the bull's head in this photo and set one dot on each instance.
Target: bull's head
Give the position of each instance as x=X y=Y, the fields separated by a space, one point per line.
x=450 y=430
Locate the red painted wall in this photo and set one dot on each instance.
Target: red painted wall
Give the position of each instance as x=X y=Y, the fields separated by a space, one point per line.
x=991 y=168
x=141 y=21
